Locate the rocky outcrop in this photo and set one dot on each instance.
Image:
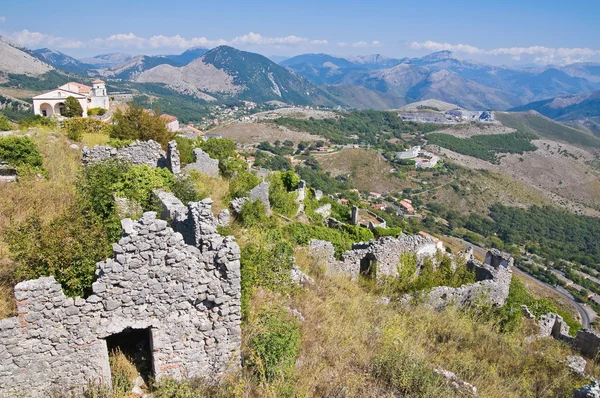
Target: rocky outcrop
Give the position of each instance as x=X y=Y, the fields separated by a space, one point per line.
x=173 y=160
x=186 y=298
x=261 y=192
x=203 y=164
x=137 y=153
x=589 y=391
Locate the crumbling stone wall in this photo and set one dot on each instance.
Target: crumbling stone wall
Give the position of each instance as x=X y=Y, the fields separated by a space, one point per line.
x=492 y=286
x=587 y=342
x=386 y=253
x=188 y=297
x=137 y=153
x=173 y=159
x=204 y=164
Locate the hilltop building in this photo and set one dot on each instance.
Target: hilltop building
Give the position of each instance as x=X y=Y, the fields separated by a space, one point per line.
x=171 y=122
x=52 y=102
x=423 y=159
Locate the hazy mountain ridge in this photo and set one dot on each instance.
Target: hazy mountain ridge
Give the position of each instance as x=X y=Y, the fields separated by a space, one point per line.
x=16 y=60
x=240 y=74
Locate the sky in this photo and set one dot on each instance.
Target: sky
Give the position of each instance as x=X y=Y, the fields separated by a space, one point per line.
x=497 y=32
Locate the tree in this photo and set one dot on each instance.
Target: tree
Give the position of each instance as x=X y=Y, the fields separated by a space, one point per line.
x=137 y=123
x=72 y=108
x=4 y=123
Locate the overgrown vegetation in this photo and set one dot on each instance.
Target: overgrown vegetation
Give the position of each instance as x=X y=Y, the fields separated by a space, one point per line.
x=76 y=128
x=136 y=123
x=21 y=152
x=371 y=127
x=485 y=147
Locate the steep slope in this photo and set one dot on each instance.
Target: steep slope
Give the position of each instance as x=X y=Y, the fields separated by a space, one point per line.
x=188 y=56
x=229 y=72
x=396 y=81
x=132 y=68
x=62 y=61
x=363 y=98
x=111 y=60
x=16 y=61
x=547 y=128
x=586 y=70
x=329 y=69
x=567 y=108
x=450 y=87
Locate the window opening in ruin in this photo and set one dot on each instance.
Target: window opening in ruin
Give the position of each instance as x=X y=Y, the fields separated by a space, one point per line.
x=136 y=346
x=368 y=267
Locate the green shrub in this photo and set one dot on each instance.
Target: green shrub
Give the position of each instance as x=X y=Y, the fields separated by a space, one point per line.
x=38 y=121
x=184 y=189
x=96 y=111
x=20 y=151
x=266 y=262
x=66 y=248
x=231 y=166
x=186 y=148
x=253 y=213
x=274 y=343
x=282 y=201
x=5 y=124
x=219 y=148
x=138 y=124
x=72 y=108
x=242 y=183
x=118 y=143
x=77 y=127
x=409 y=376
x=379 y=232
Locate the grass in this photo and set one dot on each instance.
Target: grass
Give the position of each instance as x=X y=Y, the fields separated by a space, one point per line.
x=46 y=197
x=93 y=139
x=547 y=128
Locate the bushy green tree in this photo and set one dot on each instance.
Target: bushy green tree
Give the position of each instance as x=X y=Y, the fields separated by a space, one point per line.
x=137 y=123
x=242 y=183
x=219 y=148
x=282 y=201
x=4 y=123
x=253 y=213
x=20 y=151
x=72 y=108
x=66 y=248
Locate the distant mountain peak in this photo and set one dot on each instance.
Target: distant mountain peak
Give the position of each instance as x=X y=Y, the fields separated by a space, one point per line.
x=438 y=56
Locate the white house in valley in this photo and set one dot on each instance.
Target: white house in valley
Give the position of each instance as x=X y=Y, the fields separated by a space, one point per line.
x=52 y=102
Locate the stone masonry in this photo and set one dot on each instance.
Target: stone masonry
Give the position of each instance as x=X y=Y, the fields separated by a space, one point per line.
x=173 y=159
x=137 y=153
x=203 y=164
x=492 y=286
x=384 y=251
x=188 y=297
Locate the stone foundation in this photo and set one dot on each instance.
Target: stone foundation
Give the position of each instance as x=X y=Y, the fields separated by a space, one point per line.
x=188 y=298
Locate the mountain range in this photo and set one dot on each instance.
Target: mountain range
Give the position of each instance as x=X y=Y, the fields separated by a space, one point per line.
x=371 y=81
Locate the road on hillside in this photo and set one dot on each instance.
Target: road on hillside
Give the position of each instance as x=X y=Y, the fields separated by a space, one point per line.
x=585 y=316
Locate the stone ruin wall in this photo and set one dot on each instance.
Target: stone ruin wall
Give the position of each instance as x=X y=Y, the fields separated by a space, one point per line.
x=188 y=297
x=137 y=153
x=493 y=278
x=386 y=251
x=150 y=153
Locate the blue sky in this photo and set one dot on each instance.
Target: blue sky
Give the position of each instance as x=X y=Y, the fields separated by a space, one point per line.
x=505 y=31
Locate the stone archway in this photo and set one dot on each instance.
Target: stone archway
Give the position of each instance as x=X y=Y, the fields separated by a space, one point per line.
x=58 y=108
x=46 y=109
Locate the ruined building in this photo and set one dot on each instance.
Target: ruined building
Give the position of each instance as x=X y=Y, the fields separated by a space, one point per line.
x=381 y=257
x=174 y=291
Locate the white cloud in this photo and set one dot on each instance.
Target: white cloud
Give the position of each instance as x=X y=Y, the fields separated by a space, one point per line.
x=131 y=40
x=360 y=44
x=37 y=39
x=2 y=19
x=541 y=54
x=433 y=46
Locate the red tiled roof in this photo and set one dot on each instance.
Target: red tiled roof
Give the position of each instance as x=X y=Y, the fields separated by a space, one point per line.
x=168 y=118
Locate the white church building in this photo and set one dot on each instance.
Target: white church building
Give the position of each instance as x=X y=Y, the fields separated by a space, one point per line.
x=52 y=102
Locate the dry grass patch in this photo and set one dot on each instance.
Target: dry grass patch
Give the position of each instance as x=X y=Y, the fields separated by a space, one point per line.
x=93 y=139
x=46 y=197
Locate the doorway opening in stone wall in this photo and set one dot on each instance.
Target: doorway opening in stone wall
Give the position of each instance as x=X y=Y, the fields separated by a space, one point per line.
x=368 y=267
x=130 y=358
